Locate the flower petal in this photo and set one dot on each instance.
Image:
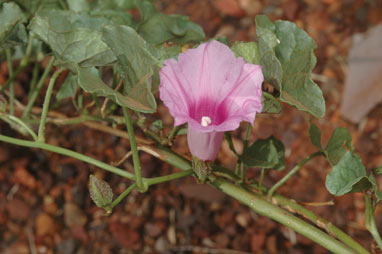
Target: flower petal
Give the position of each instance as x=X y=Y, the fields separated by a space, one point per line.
x=209 y=81
x=205 y=146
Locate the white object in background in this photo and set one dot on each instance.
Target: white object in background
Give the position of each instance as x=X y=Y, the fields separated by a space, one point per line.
x=363 y=85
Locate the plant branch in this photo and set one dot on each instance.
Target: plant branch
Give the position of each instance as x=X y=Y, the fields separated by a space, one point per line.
x=261 y=206
x=12 y=85
x=123 y=195
x=36 y=90
x=291 y=173
x=44 y=113
x=134 y=149
x=370 y=220
x=69 y=153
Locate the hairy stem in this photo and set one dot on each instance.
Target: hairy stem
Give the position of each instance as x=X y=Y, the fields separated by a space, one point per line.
x=69 y=153
x=370 y=221
x=123 y=195
x=291 y=173
x=36 y=90
x=45 y=108
x=261 y=206
x=134 y=150
x=12 y=85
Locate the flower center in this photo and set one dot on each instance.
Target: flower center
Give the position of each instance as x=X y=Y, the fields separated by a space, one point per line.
x=205 y=121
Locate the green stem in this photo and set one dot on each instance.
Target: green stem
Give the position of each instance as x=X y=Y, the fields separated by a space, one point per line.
x=167 y=178
x=36 y=91
x=69 y=153
x=173 y=132
x=12 y=85
x=45 y=108
x=291 y=173
x=23 y=63
x=261 y=180
x=370 y=221
x=261 y=206
x=293 y=206
x=33 y=82
x=134 y=150
x=243 y=168
x=123 y=195
x=24 y=125
x=178 y=161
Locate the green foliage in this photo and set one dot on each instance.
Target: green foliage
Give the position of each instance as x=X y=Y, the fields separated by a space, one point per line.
x=68 y=88
x=100 y=192
x=286 y=54
x=348 y=175
x=12 y=30
x=272 y=69
x=338 y=145
x=378 y=170
x=270 y=104
x=74 y=38
x=136 y=61
x=247 y=50
x=315 y=136
x=265 y=153
x=157 y=28
x=88 y=79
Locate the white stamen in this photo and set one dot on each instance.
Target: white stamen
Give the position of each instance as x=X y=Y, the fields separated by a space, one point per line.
x=278 y=41
x=205 y=121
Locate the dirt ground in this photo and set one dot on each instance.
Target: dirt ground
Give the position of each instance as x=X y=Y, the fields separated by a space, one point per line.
x=44 y=200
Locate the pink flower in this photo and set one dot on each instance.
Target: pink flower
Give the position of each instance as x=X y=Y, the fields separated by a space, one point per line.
x=211 y=90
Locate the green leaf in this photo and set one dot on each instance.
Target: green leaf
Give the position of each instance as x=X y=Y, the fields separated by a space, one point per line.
x=68 y=88
x=378 y=195
x=12 y=32
x=89 y=80
x=247 y=50
x=117 y=17
x=378 y=170
x=296 y=56
x=78 y=5
x=100 y=192
x=270 y=104
x=265 y=153
x=272 y=69
x=32 y=6
x=157 y=28
x=315 y=136
x=338 y=145
x=73 y=37
x=349 y=175
x=136 y=62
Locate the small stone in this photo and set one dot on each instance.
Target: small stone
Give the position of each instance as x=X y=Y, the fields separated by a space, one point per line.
x=125 y=236
x=66 y=247
x=243 y=219
x=161 y=245
x=44 y=225
x=17 y=209
x=73 y=215
x=257 y=241
x=23 y=177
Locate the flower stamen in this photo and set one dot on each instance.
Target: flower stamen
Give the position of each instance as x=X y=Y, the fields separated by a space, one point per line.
x=205 y=121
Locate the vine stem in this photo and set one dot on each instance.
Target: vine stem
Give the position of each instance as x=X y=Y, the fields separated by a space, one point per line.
x=261 y=206
x=12 y=85
x=45 y=108
x=36 y=90
x=291 y=173
x=134 y=150
x=69 y=153
x=123 y=195
x=23 y=63
x=370 y=221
